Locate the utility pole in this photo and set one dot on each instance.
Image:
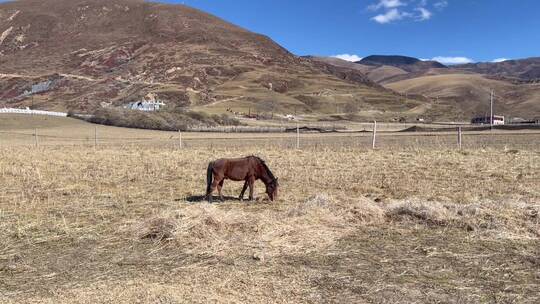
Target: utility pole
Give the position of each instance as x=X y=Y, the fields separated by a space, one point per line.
x=491 y=111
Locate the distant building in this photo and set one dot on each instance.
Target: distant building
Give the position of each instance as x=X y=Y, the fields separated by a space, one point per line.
x=39 y=88
x=486 y=120
x=290 y=117
x=148 y=104
x=522 y=121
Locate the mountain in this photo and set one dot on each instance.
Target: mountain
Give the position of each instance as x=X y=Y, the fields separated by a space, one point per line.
x=409 y=64
x=82 y=55
x=469 y=94
x=394 y=60
x=522 y=69
x=340 y=63
x=460 y=91
x=385 y=69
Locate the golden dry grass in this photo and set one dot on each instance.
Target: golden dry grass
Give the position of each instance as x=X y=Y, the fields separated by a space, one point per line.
x=126 y=224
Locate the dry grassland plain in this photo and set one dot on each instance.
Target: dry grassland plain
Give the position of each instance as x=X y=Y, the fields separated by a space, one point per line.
x=125 y=223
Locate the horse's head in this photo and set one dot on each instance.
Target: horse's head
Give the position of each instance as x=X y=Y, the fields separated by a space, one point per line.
x=272 y=189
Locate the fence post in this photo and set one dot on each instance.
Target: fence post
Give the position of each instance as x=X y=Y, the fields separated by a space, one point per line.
x=36 y=141
x=460 y=137
x=374 y=138
x=297 y=136
x=180 y=139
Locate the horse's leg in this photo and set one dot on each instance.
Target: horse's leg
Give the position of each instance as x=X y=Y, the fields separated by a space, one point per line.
x=215 y=184
x=220 y=186
x=251 y=188
x=243 y=190
x=209 y=195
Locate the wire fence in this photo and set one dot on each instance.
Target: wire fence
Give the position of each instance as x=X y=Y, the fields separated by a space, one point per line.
x=529 y=140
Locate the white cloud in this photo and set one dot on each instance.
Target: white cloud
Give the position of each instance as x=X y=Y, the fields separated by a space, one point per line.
x=424 y=14
x=389 y=16
x=452 y=60
x=441 y=4
x=386 y=4
x=499 y=60
x=348 y=57
x=394 y=10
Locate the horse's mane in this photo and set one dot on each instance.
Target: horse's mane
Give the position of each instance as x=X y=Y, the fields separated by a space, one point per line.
x=263 y=163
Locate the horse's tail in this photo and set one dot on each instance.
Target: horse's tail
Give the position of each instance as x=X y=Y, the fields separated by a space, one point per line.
x=209 y=176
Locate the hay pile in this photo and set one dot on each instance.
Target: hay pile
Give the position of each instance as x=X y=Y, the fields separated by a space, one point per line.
x=498 y=219
x=320 y=221
x=209 y=229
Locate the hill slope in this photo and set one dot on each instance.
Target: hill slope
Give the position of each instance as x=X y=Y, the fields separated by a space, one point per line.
x=523 y=69
x=386 y=69
x=469 y=94
x=81 y=55
x=461 y=91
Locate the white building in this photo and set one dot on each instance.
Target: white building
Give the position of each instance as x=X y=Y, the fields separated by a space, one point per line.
x=147 y=106
x=149 y=103
x=39 y=88
x=486 y=120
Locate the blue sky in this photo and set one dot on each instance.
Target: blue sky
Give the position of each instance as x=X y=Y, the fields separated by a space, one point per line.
x=462 y=30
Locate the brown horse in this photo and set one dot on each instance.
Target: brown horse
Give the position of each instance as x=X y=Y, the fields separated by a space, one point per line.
x=248 y=169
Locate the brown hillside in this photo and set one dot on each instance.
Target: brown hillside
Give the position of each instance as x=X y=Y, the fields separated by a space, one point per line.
x=462 y=91
x=386 y=72
x=522 y=69
x=470 y=93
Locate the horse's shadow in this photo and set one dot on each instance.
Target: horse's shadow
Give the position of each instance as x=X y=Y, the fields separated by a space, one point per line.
x=202 y=198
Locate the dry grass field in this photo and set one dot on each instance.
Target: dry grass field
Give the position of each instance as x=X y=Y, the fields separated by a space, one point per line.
x=125 y=223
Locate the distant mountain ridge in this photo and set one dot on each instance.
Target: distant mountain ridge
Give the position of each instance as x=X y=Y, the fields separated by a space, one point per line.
x=384 y=68
x=399 y=61
x=527 y=69
x=463 y=89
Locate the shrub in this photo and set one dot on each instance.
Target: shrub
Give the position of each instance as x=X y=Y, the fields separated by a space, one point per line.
x=161 y=120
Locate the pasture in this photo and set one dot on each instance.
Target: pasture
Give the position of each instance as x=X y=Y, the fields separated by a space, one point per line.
x=414 y=221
